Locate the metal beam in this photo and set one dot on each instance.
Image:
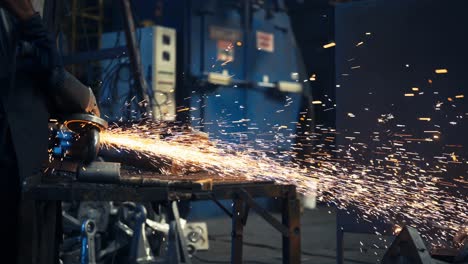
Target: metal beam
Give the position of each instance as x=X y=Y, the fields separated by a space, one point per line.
x=135 y=57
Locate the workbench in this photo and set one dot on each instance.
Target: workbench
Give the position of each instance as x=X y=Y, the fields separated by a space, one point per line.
x=195 y=188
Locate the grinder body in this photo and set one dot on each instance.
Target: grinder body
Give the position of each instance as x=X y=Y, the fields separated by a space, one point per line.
x=77 y=109
x=80 y=140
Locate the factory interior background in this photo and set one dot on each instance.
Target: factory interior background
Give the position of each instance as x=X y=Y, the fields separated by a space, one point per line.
x=260 y=131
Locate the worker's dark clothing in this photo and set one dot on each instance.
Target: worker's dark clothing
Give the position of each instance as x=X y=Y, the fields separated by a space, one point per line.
x=24 y=117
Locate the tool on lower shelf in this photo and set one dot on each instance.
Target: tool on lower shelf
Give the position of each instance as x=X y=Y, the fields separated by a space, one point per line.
x=88 y=247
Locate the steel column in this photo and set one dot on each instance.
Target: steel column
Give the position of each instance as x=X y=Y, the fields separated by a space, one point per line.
x=135 y=56
x=237 y=230
x=291 y=219
x=339 y=246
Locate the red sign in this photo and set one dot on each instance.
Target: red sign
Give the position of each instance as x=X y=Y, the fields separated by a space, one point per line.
x=265 y=41
x=225 y=51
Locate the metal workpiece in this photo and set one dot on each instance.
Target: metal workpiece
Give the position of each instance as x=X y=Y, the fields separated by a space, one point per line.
x=103 y=172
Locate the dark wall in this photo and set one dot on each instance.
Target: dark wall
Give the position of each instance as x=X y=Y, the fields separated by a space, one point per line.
x=313 y=23
x=409 y=39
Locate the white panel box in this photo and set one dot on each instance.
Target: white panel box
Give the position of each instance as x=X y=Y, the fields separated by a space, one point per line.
x=164 y=73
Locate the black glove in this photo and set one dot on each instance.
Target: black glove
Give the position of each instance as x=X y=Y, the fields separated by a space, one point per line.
x=38 y=55
x=37 y=51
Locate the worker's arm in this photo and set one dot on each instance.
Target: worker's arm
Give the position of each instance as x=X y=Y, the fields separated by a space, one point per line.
x=21 y=9
x=40 y=57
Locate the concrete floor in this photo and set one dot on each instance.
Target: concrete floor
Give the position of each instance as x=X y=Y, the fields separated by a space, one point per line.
x=262 y=243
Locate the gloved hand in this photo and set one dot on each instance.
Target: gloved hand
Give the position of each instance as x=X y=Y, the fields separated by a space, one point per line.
x=70 y=95
x=22 y=9
x=38 y=55
x=37 y=51
x=92 y=105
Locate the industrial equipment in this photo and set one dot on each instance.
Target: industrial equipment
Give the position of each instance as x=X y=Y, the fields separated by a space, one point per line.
x=158 y=46
x=128 y=232
x=221 y=65
x=408 y=247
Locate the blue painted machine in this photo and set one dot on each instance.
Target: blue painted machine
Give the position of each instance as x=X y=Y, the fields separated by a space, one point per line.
x=237 y=72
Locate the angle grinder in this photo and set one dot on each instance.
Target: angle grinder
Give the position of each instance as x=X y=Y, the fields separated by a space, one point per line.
x=87 y=128
x=75 y=138
x=75 y=147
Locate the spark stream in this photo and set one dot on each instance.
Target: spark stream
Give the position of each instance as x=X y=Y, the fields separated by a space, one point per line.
x=399 y=192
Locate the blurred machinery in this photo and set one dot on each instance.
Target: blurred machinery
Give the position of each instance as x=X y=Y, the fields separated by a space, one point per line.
x=409 y=247
x=230 y=56
x=225 y=67
x=205 y=63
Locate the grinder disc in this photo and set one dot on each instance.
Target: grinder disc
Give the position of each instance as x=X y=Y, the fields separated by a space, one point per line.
x=82 y=122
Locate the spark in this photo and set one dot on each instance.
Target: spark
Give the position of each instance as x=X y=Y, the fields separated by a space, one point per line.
x=329 y=45
x=393 y=188
x=441 y=71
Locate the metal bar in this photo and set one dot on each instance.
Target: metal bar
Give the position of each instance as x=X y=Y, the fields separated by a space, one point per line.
x=96 y=192
x=246 y=214
x=184 y=256
x=221 y=206
x=70 y=191
x=255 y=190
x=237 y=230
x=135 y=56
x=339 y=246
x=291 y=219
x=172 y=247
x=264 y=213
x=183 y=59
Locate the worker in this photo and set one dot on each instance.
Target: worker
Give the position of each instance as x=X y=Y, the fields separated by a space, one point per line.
x=31 y=72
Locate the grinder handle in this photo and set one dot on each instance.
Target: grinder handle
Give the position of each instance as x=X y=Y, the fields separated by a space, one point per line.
x=72 y=96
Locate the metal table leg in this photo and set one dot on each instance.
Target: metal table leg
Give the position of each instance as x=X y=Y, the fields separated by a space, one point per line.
x=291 y=219
x=178 y=252
x=339 y=246
x=237 y=230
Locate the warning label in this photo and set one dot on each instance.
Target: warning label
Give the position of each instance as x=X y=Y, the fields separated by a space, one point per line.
x=265 y=41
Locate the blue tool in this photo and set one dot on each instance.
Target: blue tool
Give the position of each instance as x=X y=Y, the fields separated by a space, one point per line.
x=88 y=246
